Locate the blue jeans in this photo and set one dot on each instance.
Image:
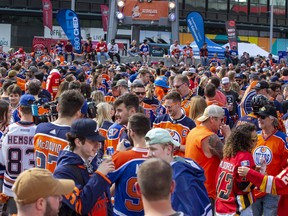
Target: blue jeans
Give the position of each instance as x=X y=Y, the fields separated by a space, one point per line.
x=99 y=54
x=204 y=62
x=266 y=205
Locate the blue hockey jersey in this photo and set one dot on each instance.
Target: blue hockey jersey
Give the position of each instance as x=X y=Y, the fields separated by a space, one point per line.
x=190 y=195
x=127 y=201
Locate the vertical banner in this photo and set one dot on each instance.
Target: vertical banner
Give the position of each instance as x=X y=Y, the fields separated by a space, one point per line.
x=231 y=33
x=195 y=24
x=47 y=13
x=70 y=24
x=104 y=12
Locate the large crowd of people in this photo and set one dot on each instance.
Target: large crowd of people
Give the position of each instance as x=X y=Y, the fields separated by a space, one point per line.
x=141 y=137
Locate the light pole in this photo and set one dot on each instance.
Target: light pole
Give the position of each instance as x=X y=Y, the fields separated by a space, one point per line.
x=73 y=5
x=271 y=24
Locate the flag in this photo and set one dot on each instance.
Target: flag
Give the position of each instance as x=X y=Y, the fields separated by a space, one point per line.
x=231 y=33
x=195 y=24
x=70 y=24
x=104 y=12
x=47 y=13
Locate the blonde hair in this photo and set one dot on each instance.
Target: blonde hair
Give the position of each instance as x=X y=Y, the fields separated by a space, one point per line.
x=97 y=97
x=203 y=80
x=103 y=113
x=235 y=87
x=197 y=107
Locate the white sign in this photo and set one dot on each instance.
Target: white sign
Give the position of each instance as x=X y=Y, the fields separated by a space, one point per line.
x=58 y=33
x=5 y=36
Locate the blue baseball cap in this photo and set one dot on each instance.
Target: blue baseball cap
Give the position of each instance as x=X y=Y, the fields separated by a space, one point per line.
x=86 y=128
x=73 y=68
x=161 y=82
x=86 y=64
x=26 y=100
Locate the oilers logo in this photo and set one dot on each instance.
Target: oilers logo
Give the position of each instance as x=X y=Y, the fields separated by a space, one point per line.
x=175 y=135
x=262 y=151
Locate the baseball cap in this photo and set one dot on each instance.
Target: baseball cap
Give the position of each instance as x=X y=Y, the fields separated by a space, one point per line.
x=262 y=85
x=192 y=70
x=225 y=80
x=238 y=75
x=253 y=76
x=218 y=68
x=26 y=100
x=161 y=82
x=266 y=111
x=87 y=128
x=274 y=79
x=122 y=82
x=38 y=183
x=86 y=64
x=33 y=69
x=159 y=136
x=99 y=66
x=212 y=111
x=72 y=68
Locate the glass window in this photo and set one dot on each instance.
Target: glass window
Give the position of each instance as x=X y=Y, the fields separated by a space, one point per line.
x=195 y=4
x=238 y=6
x=220 y=5
x=258 y=7
x=279 y=7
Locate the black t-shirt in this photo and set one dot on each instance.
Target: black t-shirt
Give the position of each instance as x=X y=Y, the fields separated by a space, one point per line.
x=232 y=98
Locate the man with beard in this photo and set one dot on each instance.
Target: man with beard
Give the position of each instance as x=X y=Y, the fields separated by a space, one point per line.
x=125 y=106
x=175 y=121
x=127 y=164
x=45 y=200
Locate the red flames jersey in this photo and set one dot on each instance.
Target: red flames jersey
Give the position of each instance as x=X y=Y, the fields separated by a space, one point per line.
x=234 y=193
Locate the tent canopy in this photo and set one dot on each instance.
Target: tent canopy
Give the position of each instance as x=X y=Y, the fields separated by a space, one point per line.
x=252 y=49
x=212 y=49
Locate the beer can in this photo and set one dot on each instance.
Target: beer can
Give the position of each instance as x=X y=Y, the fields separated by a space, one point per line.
x=127 y=144
x=110 y=150
x=34 y=109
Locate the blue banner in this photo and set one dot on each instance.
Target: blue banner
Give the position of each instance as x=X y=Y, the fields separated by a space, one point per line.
x=70 y=24
x=195 y=24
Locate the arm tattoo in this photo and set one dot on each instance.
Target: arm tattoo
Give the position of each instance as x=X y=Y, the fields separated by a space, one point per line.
x=215 y=146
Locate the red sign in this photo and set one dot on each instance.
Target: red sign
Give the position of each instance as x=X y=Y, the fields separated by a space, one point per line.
x=104 y=12
x=146 y=11
x=47 y=13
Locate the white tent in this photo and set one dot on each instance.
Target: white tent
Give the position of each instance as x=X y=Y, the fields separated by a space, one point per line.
x=252 y=49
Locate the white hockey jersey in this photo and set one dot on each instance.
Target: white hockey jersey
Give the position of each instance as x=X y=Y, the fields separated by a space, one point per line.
x=17 y=152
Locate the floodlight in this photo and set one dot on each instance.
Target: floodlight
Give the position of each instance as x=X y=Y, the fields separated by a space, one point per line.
x=120 y=3
x=171 y=5
x=119 y=15
x=172 y=17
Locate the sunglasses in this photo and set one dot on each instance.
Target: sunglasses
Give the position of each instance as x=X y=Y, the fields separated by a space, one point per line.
x=140 y=93
x=177 y=87
x=263 y=117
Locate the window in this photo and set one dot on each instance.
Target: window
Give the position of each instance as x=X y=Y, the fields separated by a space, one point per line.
x=238 y=6
x=219 y=5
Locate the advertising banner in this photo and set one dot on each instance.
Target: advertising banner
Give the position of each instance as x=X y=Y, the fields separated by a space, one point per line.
x=195 y=24
x=47 y=13
x=145 y=10
x=104 y=12
x=5 y=36
x=70 y=24
x=231 y=33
